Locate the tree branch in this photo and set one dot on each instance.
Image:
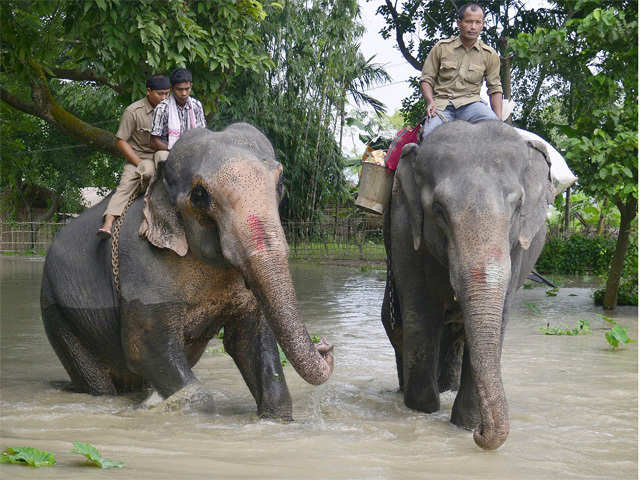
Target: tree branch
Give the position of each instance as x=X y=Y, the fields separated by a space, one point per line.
x=85 y=76
x=413 y=61
x=44 y=106
x=18 y=103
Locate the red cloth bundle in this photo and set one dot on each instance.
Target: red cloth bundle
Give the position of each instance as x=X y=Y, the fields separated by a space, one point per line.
x=403 y=137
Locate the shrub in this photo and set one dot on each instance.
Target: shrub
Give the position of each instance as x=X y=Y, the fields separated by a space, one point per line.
x=577 y=255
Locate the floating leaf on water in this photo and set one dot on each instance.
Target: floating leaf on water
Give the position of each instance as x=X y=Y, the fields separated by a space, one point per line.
x=93 y=456
x=617 y=335
x=533 y=307
x=27 y=456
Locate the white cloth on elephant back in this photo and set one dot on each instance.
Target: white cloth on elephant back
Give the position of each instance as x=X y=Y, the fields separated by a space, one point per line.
x=561 y=176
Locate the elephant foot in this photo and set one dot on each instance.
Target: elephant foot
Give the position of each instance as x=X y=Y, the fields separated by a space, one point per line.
x=280 y=416
x=192 y=397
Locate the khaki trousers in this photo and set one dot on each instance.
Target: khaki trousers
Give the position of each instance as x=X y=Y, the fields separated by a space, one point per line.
x=129 y=181
x=160 y=156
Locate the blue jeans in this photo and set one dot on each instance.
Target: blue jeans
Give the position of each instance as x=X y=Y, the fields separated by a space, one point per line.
x=472 y=112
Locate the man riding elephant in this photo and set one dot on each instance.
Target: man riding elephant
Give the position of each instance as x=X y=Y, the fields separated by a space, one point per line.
x=453 y=72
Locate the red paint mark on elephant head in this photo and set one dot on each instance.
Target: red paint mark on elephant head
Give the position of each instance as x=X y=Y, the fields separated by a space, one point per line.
x=257 y=232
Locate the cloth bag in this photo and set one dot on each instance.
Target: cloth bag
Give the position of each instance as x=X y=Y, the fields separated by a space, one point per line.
x=404 y=136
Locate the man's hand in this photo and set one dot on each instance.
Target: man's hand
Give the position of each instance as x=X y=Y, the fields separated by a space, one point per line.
x=430 y=112
x=145 y=169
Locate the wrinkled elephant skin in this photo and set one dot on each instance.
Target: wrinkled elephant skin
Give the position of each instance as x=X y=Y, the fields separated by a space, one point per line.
x=203 y=250
x=465 y=226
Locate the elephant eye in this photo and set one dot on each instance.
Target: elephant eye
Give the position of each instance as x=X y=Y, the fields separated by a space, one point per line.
x=200 y=197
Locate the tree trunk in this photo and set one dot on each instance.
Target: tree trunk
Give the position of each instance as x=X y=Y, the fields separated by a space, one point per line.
x=628 y=212
x=567 y=212
x=600 y=227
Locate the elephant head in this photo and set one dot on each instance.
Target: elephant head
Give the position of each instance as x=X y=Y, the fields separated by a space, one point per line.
x=217 y=196
x=477 y=197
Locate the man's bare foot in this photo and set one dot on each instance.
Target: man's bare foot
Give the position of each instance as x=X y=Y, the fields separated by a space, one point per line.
x=105 y=230
x=103 y=233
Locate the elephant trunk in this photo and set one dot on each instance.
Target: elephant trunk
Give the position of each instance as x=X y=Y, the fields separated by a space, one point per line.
x=484 y=287
x=270 y=280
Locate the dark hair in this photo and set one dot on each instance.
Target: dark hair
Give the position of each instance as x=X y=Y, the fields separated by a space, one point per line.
x=472 y=6
x=180 y=75
x=158 y=82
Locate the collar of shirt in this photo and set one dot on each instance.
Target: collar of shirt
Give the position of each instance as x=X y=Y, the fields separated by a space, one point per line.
x=458 y=43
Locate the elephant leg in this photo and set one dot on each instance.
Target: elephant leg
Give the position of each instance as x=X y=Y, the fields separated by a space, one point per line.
x=392 y=321
x=154 y=345
x=421 y=340
x=466 y=408
x=87 y=373
x=253 y=347
x=451 y=350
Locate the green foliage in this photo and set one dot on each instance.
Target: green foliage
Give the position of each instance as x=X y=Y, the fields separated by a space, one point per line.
x=27 y=456
x=299 y=103
x=533 y=308
x=577 y=255
x=616 y=335
x=93 y=456
x=36 y=157
x=583 y=328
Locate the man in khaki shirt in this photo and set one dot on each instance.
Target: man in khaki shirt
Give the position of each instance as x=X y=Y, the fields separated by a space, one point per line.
x=134 y=142
x=453 y=72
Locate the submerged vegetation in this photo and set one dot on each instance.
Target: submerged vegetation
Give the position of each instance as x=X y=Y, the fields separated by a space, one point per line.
x=583 y=328
x=616 y=335
x=93 y=456
x=38 y=458
x=28 y=456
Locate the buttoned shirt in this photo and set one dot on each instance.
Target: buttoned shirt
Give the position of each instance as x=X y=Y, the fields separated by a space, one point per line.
x=160 y=126
x=135 y=128
x=455 y=72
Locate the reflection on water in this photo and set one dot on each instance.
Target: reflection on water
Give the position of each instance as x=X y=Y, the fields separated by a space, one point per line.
x=573 y=402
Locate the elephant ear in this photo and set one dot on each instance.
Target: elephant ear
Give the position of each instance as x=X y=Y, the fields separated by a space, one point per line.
x=406 y=176
x=161 y=224
x=538 y=192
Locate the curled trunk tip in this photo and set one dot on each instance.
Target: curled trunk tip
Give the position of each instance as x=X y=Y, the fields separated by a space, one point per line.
x=491 y=437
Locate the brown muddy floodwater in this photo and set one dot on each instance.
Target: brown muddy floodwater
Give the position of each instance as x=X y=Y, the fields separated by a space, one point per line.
x=573 y=402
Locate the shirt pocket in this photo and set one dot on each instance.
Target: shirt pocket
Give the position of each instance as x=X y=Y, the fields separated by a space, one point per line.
x=448 y=70
x=144 y=136
x=474 y=73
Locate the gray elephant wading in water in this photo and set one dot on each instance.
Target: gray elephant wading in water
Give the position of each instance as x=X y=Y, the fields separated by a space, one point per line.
x=465 y=227
x=214 y=256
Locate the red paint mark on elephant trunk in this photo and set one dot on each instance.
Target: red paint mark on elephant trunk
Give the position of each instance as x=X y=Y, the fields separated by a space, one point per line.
x=479 y=274
x=257 y=232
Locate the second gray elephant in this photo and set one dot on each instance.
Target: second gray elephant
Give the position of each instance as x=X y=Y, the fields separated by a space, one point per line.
x=212 y=254
x=465 y=226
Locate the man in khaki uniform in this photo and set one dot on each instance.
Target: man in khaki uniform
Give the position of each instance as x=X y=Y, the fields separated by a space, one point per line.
x=134 y=142
x=453 y=72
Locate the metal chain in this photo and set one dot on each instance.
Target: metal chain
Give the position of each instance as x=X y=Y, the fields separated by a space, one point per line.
x=115 y=241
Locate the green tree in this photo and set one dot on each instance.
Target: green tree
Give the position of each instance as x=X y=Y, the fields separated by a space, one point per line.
x=299 y=103
x=42 y=167
x=118 y=43
x=596 y=66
